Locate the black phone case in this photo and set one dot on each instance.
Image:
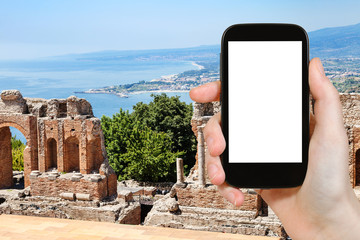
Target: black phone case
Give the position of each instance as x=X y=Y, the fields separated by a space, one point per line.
x=265 y=175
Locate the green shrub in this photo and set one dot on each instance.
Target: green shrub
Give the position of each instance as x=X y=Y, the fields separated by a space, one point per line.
x=17 y=154
x=137 y=152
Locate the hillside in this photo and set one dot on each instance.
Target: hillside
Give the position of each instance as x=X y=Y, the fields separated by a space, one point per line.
x=335 y=42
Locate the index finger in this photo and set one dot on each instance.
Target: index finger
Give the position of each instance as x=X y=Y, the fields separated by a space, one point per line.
x=208 y=92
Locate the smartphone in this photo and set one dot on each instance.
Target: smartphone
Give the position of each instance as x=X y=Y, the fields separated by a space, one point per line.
x=265 y=105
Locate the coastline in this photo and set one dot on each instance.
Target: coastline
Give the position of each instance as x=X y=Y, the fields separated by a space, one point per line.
x=200 y=67
x=159 y=91
x=122 y=95
x=172 y=81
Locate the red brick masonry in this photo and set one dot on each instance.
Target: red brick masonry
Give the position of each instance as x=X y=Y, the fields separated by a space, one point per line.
x=45 y=185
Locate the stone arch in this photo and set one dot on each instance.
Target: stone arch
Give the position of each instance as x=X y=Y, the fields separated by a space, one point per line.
x=357 y=167
x=17 y=126
x=51 y=154
x=72 y=154
x=30 y=162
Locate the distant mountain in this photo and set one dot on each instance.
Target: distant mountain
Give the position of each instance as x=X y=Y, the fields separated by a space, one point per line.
x=207 y=56
x=199 y=53
x=335 y=42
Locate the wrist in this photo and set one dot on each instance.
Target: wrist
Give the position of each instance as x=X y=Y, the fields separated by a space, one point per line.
x=343 y=223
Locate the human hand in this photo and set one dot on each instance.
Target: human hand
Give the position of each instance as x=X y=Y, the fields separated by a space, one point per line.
x=325 y=206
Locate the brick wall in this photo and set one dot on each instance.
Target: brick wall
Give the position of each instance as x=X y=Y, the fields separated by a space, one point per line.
x=43 y=186
x=210 y=198
x=6 y=175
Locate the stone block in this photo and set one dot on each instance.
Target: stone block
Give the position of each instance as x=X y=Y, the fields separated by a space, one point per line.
x=11 y=95
x=34 y=174
x=21 y=194
x=96 y=178
x=27 y=191
x=112 y=184
x=130 y=214
x=53 y=175
x=171 y=204
x=209 y=197
x=12 y=102
x=53 y=108
x=83 y=196
x=76 y=177
x=125 y=196
x=68 y=196
x=149 y=191
x=78 y=106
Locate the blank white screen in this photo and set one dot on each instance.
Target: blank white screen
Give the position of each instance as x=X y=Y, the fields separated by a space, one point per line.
x=265 y=101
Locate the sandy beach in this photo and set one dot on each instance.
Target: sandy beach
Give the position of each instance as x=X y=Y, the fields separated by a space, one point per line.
x=197 y=65
x=158 y=91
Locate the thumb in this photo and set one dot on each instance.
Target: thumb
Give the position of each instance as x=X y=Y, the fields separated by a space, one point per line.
x=327 y=107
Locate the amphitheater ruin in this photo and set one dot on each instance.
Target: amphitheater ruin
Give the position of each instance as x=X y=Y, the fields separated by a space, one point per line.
x=62 y=135
x=67 y=174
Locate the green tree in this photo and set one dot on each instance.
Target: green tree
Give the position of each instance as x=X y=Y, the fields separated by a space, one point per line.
x=173 y=117
x=17 y=147
x=136 y=151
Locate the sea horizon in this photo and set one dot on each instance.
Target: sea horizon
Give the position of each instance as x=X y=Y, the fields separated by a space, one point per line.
x=42 y=79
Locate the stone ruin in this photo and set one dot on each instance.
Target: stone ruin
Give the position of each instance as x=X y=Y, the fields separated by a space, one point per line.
x=65 y=154
x=194 y=202
x=66 y=170
x=351 y=114
x=65 y=159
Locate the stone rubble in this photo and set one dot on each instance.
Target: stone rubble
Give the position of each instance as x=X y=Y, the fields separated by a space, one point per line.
x=201 y=207
x=62 y=136
x=67 y=173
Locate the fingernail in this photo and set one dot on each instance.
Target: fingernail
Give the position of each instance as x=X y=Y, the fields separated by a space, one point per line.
x=320 y=67
x=231 y=198
x=212 y=171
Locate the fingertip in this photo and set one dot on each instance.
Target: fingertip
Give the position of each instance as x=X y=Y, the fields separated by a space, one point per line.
x=234 y=195
x=318 y=64
x=215 y=145
x=193 y=93
x=208 y=92
x=320 y=85
x=239 y=198
x=216 y=173
x=214 y=137
x=327 y=106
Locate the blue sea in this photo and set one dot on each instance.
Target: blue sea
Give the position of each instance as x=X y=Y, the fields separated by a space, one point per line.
x=62 y=77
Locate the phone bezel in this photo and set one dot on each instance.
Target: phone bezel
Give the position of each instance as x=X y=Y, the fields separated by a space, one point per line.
x=265 y=175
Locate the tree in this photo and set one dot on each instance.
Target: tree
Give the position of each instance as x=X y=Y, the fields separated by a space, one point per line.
x=136 y=151
x=149 y=156
x=17 y=147
x=173 y=117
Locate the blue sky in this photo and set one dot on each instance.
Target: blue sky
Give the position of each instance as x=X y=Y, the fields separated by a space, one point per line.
x=30 y=29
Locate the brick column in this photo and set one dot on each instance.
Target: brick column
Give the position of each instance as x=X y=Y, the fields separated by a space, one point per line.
x=6 y=174
x=180 y=170
x=201 y=157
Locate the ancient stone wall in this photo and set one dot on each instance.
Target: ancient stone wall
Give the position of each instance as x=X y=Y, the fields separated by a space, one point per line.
x=202 y=113
x=54 y=185
x=6 y=173
x=42 y=206
x=351 y=115
x=196 y=203
x=215 y=219
x=62 y=135
x=195 y=196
